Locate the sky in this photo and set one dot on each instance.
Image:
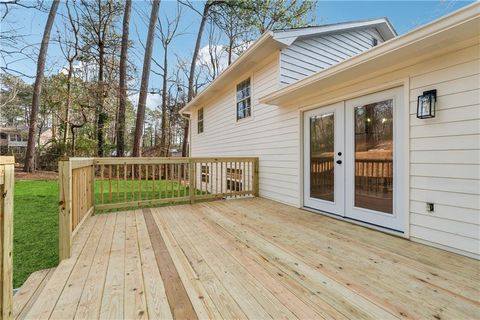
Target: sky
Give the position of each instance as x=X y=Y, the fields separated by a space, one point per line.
x=404 y=15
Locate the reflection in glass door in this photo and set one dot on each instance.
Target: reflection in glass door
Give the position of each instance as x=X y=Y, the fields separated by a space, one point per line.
x=374 y=156
x=374 y=176
x=323 y=164
x=322 y=157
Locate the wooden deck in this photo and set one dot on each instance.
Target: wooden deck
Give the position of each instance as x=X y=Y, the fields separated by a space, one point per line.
x=249 y=258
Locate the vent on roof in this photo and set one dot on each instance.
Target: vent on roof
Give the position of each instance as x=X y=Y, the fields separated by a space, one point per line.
x=374 y=42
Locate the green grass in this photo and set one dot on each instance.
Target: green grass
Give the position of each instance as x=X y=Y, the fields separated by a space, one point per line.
x=35 y=228
x=133 y=192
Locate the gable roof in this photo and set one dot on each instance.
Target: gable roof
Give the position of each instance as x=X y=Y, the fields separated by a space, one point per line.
x=272 y=41
x=288 y=36
x=441 y=34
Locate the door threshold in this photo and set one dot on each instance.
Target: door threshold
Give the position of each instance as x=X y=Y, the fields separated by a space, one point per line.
x=358 y=222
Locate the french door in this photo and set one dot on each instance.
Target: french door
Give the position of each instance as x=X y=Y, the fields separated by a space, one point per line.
x=351 y=162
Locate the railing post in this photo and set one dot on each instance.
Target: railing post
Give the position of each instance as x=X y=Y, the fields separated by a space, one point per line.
x=6 y=237
x=65 y=209
x=191 y=179
x=256 y=179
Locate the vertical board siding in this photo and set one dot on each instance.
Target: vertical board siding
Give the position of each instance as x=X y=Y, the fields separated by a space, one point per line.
x=309 y=55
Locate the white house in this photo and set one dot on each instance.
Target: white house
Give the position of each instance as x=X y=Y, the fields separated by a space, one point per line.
x=331 y=112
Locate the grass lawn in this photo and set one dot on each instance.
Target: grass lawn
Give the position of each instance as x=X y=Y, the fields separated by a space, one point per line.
x=35 y=229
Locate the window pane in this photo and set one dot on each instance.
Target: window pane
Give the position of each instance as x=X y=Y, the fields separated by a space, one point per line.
x=321 y=157
x=374 y=156
x=243 y=99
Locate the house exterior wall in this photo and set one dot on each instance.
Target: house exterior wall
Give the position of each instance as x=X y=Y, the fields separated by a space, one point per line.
x=270 y=133
x=308 y=55
x=443 y=153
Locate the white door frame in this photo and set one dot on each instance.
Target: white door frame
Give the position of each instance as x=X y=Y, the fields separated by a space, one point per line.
x=401 y=150
x=396 y=220
x=337 y=206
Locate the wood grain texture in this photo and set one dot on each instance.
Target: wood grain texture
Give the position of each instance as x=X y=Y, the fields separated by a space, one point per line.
x=249 y=259
x=180 y=304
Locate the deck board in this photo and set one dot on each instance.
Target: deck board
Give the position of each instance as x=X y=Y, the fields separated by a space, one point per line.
x=249 y=258
x=29 y=292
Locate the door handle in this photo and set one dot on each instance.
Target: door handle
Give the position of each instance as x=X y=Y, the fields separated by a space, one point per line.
x=339 y=161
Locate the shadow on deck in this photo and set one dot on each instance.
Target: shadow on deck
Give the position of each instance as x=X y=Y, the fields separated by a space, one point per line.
x=247 y=258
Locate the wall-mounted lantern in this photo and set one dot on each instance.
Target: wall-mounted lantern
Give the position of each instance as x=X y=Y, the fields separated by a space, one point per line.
x=426 y=104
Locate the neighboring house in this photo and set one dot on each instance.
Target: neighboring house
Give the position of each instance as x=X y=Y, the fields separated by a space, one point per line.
x=14 y=139
x=332 y=118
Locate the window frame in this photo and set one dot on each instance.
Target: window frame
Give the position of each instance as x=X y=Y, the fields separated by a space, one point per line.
x=234 y=177
x=200 y=122
x=248 y=98
x=205 y=173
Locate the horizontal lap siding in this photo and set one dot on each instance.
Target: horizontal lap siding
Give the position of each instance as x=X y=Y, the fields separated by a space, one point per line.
x=271 y=134
x=309 y=55
x=445 y=154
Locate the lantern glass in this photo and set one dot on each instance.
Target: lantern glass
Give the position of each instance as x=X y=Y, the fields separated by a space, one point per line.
x=426 y=104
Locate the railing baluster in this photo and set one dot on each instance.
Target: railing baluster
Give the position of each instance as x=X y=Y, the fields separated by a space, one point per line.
x=146 y=182
x=221 y=177
x=166 y=181
x=132 y=176
x=118 y=183
x=124 y=182
x=153 y=179
x=101 y=185
x=178 y=180
x=139 y=182
x=110 y=183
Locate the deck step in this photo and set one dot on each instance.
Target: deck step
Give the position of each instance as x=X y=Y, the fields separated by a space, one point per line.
x=29 y=291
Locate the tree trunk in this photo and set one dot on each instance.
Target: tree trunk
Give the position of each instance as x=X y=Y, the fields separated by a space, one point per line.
x=123 y=81
x=37 y=89
x=163 y=138
x=69 y=101
x=100 y=100
x=142 y=99
x=191 y=77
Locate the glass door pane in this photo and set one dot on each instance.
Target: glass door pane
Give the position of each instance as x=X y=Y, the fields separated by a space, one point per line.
x=374 y=156
x=322 y=132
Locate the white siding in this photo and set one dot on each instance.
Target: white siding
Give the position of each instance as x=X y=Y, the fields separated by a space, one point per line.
x=309 y=55
x=444 y=151
x=270 y=134
x=445 y=155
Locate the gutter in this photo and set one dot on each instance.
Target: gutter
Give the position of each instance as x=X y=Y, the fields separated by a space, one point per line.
x=268 y=35
x=456 y=18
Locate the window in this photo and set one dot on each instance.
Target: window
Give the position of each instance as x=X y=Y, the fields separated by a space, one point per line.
x=244 y=108
x=205 y=174
x=3 y=135
x=200 y=120
x=234 y=179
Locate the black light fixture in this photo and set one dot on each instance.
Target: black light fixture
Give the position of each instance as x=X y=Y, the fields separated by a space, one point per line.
x=426 y=104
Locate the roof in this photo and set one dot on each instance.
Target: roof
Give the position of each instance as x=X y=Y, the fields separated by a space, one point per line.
x=272 y=41
x=19 y=129
x=441 y=34
x=383 y=26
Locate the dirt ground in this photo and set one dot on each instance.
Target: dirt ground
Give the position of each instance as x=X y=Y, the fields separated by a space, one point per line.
x=37 y=175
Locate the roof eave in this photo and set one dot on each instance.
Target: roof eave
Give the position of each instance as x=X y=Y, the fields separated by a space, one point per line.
x=232 y=69
x=469 y=15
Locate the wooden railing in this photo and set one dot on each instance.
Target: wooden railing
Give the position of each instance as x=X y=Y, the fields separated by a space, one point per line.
x=76 y=187
x=137 y=182
x=92 y=184
x=6 y=236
